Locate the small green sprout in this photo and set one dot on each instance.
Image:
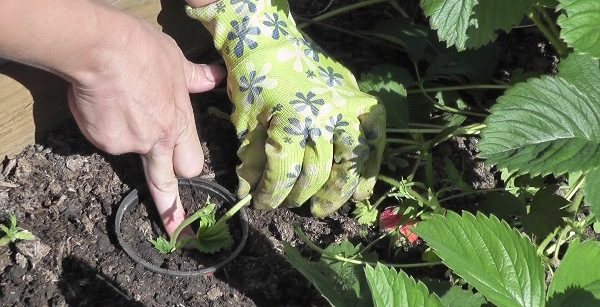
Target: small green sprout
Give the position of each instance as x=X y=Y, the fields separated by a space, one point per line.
x=211 y=236
x=13 y=233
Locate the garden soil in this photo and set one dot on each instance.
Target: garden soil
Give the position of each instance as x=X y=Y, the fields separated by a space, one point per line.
x=66 y=193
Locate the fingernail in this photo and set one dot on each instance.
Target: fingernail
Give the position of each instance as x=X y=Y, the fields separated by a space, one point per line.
x=208 y=72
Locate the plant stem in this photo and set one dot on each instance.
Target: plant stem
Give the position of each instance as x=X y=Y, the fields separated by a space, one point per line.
x=458 y=88
x=344 y=9
x=184 y=224
x=457 y=111
x=551 y=23
x=237 y=207
x=440 y=127
x=576 y=188
x=401 y=141
x=409 y=130
x=475 y=192
x=338 y=257
x=558 y=45
x=547 y=240
x=352 y=33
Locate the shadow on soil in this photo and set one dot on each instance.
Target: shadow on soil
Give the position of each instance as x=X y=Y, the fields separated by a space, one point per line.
x=82 y=285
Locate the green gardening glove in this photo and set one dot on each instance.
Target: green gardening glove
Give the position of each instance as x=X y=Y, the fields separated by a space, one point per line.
x=306 y=130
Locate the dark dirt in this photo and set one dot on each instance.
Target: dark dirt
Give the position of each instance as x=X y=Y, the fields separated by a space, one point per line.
x=67 y=193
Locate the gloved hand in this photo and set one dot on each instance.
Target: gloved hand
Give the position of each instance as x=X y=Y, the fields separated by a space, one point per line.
x=306 y=130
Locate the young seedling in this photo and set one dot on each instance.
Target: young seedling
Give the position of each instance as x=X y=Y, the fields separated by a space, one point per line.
x=12 y=233
x=211 y=236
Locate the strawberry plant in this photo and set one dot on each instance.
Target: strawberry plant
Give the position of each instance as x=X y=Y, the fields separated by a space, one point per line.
x=211 y=236
x=528 y=240
x=12 y=232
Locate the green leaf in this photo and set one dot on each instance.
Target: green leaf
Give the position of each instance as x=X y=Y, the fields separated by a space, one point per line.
x=580 y=23
x=543 y=126
x=213 y=238
x=502 y=204
x=349 y=276
x=410 y=36
x=577 y=279
x=453 y=296
x=365 y=213
x=493 y=15
x=391 y=288
x=326 y=280
x=13 y=221
x=162 y=245
x=23 y=234
x=4 y=240
x=496 y=259
x=545 y=213
x=472 y=23
x=583 y=72
x=383 y=82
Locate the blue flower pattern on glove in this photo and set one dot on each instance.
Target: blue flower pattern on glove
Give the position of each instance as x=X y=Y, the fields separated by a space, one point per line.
x=279 y=26
x=307 y=101
x=242 y=4
x=251 y=84
x=306 y=131
x=331 y=77
x=242 y=32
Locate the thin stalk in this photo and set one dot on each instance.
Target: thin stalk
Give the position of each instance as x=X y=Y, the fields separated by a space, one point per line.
x=427 y=126
x=233 y=210
x=474 y=192
x=562 y=238
x=558 y=45
x=353 y=33
x=338 y=257
x=410 y=130
x=547 y=240
x=576 y=188
x=372 y=243
x=398 y=8
x=459 y=88
x=457 y=111
x=551 y=23
x=384 y=197
x=401 y=141
x=345 y=9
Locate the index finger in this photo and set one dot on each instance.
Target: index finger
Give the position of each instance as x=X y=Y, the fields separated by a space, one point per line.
x=163 y=186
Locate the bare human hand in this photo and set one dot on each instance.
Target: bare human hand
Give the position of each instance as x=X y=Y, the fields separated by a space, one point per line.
x=139 y=102
x=130 y=85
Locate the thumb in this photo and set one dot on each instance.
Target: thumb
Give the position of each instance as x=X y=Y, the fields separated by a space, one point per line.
x=201 y=77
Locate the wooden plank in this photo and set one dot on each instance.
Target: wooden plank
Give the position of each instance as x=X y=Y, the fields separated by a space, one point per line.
x=33 y=101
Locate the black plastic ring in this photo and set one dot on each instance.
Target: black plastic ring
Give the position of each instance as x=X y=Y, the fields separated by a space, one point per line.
x=216 y=190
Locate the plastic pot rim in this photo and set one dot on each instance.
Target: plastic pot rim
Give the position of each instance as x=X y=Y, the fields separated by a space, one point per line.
x=132 y=200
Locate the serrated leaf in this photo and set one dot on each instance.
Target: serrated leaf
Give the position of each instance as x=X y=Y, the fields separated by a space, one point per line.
x=350 y=276
x=214 y=238
x=545 y=213
x=453 y=296
x=577 y=279
x=543 y=126
x=384 y=83
x=410 y=36
x=162 y=245
x=23 y=234
x=365 y=213
x=502 y=204
x=592 y=192
x=472 y=23
x=324 y=279
x=582 y=71
x=497 y=260
x=493 y=15
x=391 y=288
x=580 y=23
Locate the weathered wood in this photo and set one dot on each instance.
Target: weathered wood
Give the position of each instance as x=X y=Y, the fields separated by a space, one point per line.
x=33 y=101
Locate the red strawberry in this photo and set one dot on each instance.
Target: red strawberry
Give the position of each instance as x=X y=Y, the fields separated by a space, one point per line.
x=390 y=219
